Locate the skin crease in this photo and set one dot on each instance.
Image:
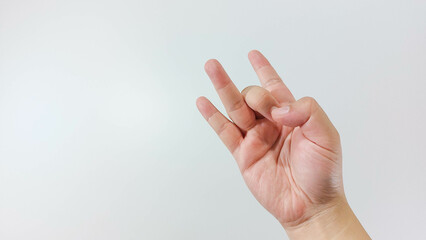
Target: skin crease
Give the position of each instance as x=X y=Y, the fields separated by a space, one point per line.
x=288 y=151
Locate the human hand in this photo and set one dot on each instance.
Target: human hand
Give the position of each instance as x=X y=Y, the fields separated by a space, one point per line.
x=288 y=151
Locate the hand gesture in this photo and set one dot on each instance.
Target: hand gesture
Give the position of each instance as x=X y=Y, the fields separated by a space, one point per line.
x=288 y=151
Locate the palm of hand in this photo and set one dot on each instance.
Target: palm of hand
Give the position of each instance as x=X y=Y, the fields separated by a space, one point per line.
x=287 y=173
x=291 y=164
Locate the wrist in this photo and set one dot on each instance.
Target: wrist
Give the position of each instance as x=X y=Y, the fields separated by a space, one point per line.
x=337 y=221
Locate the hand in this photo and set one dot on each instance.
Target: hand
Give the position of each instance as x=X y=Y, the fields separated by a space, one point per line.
x=288 y=151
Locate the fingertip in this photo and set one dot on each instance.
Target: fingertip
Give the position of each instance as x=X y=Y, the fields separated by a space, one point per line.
x=253 y=53
x=197 y=101
x=210 y=65
x=200 y=101
x=257 y=59
x=216 y=73
x=205 y=107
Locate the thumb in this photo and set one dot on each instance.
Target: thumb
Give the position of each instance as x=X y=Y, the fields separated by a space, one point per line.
x=307 y=114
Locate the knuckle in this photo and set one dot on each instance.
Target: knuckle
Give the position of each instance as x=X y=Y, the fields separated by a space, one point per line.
x=310 y=103
x=261 y=100
x=263 y=96
x=223 y=128
x=272 y=81
x=247 y=123
x=310 y=100
x=247 y=89
x=236 y=106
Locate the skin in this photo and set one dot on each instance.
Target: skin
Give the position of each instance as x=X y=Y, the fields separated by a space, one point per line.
x=287 y=150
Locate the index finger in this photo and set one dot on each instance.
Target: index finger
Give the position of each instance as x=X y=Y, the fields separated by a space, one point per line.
x=269 y=78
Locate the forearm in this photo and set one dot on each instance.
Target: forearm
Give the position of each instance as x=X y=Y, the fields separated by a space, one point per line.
x=335 y=223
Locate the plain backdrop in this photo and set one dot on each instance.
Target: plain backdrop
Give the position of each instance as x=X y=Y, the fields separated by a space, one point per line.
x=100 y=137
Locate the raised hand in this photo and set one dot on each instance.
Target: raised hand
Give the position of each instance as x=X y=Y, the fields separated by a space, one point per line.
x=288 y=151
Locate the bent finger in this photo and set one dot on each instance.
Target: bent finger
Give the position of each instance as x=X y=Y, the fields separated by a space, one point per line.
x=260 y=100
x=226 y=130
x=230 y=96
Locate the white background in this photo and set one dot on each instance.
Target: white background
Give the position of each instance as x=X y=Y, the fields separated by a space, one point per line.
x=100 y=137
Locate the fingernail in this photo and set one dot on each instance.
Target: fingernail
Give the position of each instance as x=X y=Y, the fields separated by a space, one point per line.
x=281 y=111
